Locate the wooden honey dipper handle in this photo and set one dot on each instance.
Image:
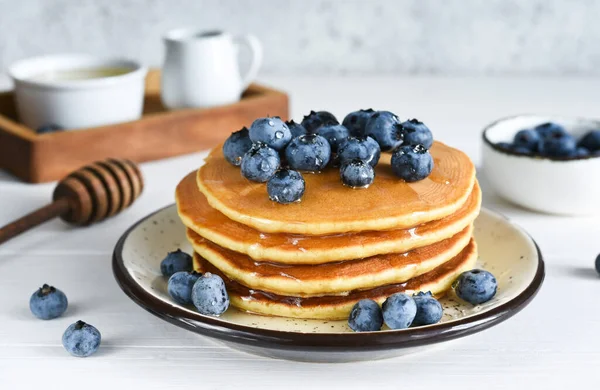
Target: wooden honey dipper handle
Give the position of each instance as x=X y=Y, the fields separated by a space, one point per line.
x=90 y=194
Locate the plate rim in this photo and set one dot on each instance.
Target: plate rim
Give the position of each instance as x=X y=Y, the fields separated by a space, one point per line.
x=330 y=342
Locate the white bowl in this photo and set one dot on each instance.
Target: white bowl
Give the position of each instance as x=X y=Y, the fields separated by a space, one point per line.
x=80 y=103
x=567 y=186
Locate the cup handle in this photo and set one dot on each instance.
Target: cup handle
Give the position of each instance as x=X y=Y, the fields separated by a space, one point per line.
x=255 y=47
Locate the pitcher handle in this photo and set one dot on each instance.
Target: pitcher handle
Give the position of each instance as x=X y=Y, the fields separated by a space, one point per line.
x=255 y=47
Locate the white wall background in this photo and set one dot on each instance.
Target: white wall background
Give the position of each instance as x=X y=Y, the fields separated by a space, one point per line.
x=464 y=37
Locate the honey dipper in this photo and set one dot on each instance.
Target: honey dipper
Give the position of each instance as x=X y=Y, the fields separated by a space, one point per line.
x=88 y=195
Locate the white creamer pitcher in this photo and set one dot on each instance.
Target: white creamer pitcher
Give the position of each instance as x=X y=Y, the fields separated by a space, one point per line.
x=201 y=68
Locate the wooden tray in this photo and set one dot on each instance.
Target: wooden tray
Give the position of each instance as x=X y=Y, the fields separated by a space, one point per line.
x=158 y=134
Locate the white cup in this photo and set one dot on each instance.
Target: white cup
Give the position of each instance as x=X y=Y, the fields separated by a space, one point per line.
x=201 y=68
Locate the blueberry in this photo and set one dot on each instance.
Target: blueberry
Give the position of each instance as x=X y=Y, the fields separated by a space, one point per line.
x=558 y=145
x=309 y=153
x=597 y=264
x=356 y=121
x=271 y=131
x=260 y=163
x=315 y=120
x=475 y=286
x=385 y=128
x=429 y=310
x=209 y=295
x=417 y=133
x=236 y=146
x=296 y=129
x=549 y=129
x=49 y=128
x=286 y=186
x=412 y=163
x=48 y=303
x=365 y=316
x=364 y=148
x=591 y=141
x=399 y=311
x=175 y=262
x=581 y=152
x=335 y=135
x=527 y=139
x=505 y=146
x=521 y=150
x=357 y=173
x=81 y=339
x=180 y=286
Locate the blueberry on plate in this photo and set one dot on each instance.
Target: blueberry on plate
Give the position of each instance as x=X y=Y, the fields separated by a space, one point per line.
x=271 y=131
x=581 y=152
x=417 y=133
x=356 y=122
x=527 y=139
x=334 y=134
x=412 y=163
x=315 y=120
x=81 y=339
x=549 y=129
x=521 y=150
x=296 y=129
x=209 y=295
x=49 y=128
x=175 y=262
x=597 y=264
x=385 y=128
x=399 y=311
x=286 y=186
x=180 y=286
x=260 y=163
x=357 y=173
x=558 y=145
x=591 y=141
x=475 y=286
x=363 y=148
x=309 y=153
x=429 y=309
x=505 y=146
x=236 y=146
x=366 y=316
x=48 y=303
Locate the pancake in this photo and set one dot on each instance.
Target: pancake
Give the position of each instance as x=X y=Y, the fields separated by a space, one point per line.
x=438 y=281
x=199 y=216
x=332 y=278
x=329 y=207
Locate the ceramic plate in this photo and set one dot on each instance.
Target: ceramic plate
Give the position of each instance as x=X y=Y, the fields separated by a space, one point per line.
x=504 y=249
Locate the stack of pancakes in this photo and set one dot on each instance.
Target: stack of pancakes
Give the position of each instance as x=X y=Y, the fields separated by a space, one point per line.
x=338 y=245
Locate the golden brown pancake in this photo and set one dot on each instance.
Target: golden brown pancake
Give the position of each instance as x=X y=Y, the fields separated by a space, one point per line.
x=438 y=281
x=198 y=215
x=332 y=278
x=328 y=207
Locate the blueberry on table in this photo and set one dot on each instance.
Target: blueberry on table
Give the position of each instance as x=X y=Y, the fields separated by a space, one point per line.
x=260 y=163
x=527 y=139
x=286 y=186
x=363 y=148
x=48 y=302
x=429 y=309
x=549 y=129
x=176 y=261
x=81 y=339
x=296 y=129
x=335 y=135
x=209 y=295
x=366 y=316
x=309 y=153
x=385 y=128
x=475 y=286
x=271 y=131
x=356 y=122
x=417 y=133
x=357 y=173
x=399 y=311
x=180 y=286
x=236 y=146
x=558 y=145
x=591 y=141
x=316 y=119
x=412 y=163
x=49 y=128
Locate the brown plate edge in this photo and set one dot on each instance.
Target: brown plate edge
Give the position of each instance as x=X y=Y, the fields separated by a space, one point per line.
x=323 y=342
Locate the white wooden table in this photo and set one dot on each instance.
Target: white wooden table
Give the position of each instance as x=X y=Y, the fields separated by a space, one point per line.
x=553 y=343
